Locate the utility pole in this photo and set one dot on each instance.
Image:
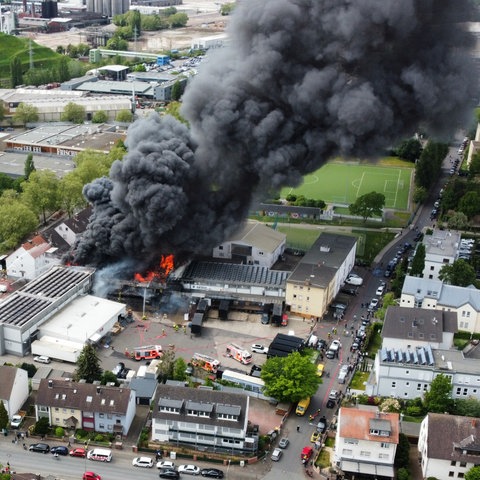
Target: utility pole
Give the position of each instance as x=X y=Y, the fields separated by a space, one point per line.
x=30 y=52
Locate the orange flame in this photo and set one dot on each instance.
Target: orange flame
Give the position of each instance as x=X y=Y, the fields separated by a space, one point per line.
x=165 y=267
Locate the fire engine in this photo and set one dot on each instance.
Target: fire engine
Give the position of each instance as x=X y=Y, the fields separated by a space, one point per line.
x=204 y=361
x=147 y=352
x=238 y=353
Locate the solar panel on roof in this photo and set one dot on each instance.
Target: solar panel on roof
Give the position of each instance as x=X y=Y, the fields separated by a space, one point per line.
x=429 y=354
x=383 y=355
x=415 y=356
x=421 y=356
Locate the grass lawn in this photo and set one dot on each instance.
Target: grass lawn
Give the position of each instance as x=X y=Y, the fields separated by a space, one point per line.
x=343 y=182
x=358 y=380
x=323 y=459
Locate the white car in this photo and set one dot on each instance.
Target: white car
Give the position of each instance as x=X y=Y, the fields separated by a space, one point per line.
x=276 y=455
x=42 y=359
x=189 y=469
x=336 y=344
x=142 y=462
x=166 y=465
x=16 y=421
x=373 y=304
x=259 y=348
x=353 y=279
x=380 y=290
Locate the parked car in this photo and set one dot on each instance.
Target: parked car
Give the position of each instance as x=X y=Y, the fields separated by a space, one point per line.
x=349 y=291
x=169 y=474
x=211 y=473
x=166 y=464
x=331 y=403
x=373 y=304
x=315 y=436
x=189 y=469
x=283 y=443
x=42 y=359
x=276 y=455
x=353 y=279
x=39 y=447
x=61 y=450
x=117 y=370
x=320 y=369
x=322 y=425
x=91 y=476
x=380 y=290
x=78 y=452
x=259 y=348
x=144 y=462
x=16 y=421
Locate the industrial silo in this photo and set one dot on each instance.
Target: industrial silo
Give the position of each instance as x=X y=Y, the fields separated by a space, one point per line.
x=98 y=6
x=90 y=5
x=107 y=8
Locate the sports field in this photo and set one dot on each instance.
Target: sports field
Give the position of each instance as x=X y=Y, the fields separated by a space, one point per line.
x=342 y=183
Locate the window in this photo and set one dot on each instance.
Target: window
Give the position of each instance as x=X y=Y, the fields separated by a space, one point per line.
x=384 y=445
x=347 y=452
x=407 y=384
x=419 y=386
x=365 y=453
x=453 y=463
x=460 y=475
x=463 y=464
x=432 y=268
x=101 y=425
x=459 y=390
x=450 y=474
x=394 y=384
x=383 y=455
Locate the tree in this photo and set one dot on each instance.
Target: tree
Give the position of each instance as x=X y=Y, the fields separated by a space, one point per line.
x=473 y=473
x=71 y=196
x=100 y=117
x=429 y=166
x=179 y=368
x=438 y=399
x=117 y=43
x=474 y=167
x=3 y=416
x=73 y=113
x=41 y=192
x=368 y=205
x=467 y=407
x=418 y=262
x=469 y=204
x=403 y=474
x=16 y=221
x=387 y=301
x=402 y=455
x=420 y=194
x=29 y=166
x=290 y=378
x=25 y=113
x=124 y=116
x=457 y=221
x=3 y=111
x=30 y=368
x=109 y=377
x=178 y=20
x=135 y=21
x=227 y=8
x=88 y=365
x=410 y=149
x=177 y=91
x=63 y=72
x=165 y=367
x=42 y=426
x=459 y=273
x=16 y=72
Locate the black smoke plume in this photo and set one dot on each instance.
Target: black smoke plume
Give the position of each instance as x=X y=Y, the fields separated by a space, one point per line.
x=299 y=82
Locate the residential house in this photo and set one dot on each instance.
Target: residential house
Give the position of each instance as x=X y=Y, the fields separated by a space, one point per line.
x=366 y=442
x=435 y=295
x=72 y=227
x=145 y=383
x=448 y=445
x=208 y=420
x=87 y=406
x=13 y=388
x=319 y=275
x=253 y=244
x=441 y=248
x=32 y=259
x=417 y=346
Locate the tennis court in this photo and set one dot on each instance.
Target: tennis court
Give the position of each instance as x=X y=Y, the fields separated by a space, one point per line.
x=343 y=183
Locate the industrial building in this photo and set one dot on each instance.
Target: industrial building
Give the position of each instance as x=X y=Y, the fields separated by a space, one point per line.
x=53 y=315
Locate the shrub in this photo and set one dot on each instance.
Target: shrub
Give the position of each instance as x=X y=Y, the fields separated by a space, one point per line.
x=403 y=474
x=59 y=432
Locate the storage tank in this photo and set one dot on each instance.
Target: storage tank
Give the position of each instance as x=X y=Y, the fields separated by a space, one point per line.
x=120 y=7
x=98 y=6
x=90 y=5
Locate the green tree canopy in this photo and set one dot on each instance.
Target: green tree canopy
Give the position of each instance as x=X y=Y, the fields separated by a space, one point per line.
x=473 y=474
x=459 y=273
x=29 y=166
x=410 y=149
x=41 y=192
x=469 y=204
x=429 y=167
x=467 y=407
x=368 y=205
x=16 y=71
x=227 y=8
x=438 y=399
x=402 y=455
x=73 y=113
x=100 y=117
x=178 y=20
x=124 y=116
x=290 y=378
x=25 y=113
x=71 y=196
x=166 y=366
x=3 y=111
x=88 y=365
x=420 y=194
x=387 y=301
x=3 y=416
x=42 y=426
x=457 y=221
x=418 y=262
x=109 y=377
x=179 y=367
x=474 y=167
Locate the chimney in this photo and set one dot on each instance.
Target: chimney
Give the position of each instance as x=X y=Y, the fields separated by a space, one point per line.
x=50 y=384
x=99 y=390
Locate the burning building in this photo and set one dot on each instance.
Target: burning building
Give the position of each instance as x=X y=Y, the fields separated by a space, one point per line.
x=298 y=83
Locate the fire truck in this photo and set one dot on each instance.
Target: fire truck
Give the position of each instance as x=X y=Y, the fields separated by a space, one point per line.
x=209 y=364
x=147 y=352
x=238 y=353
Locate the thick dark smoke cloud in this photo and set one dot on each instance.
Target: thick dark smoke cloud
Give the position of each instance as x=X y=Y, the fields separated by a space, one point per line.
x=300 y=82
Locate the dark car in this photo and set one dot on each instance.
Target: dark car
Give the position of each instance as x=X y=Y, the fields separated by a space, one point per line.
x=169 y=474
x=330 y=403
x=418 y=237
x=211 y=473
x=59 y=450
x=39 y=447
x=349 y=291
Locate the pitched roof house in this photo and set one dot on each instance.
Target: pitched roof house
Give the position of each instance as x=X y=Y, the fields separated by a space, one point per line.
x=84 y=405
x=13 y=388
x=31 y=259
x=448 y=443
x=366 y=442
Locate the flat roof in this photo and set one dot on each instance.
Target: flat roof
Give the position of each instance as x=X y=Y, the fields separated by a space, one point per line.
x=13 y=164
x=82 y=318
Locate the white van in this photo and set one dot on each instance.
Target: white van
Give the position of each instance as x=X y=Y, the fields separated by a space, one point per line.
x=100 y=455
x=353 y=279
